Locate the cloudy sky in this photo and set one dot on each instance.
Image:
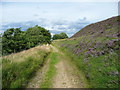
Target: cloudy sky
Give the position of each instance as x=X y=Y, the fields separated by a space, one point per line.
x=57 y=17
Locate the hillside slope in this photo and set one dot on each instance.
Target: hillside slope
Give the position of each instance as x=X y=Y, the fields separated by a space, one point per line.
x=94 y=50
x=99 y=28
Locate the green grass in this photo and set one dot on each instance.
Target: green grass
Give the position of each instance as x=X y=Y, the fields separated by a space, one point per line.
x=47 y=82
x=99 y=70
x=17 y=74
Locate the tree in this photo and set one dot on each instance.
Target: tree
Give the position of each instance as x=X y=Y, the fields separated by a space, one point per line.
x=60 y=36
x=37 y=35
x=56 y=36
x=63 y=35
x=14 y=40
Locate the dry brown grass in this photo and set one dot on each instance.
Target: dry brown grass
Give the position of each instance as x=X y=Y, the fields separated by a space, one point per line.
x=20 y=56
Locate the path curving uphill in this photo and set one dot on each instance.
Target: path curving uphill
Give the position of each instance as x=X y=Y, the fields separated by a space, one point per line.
x=65 y=75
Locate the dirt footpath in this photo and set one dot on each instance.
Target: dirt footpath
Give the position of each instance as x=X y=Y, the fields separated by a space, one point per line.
x=67 y=74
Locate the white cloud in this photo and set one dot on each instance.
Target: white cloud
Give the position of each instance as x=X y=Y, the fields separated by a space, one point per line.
x=56 y=17
x=60 y=0
x=54 y=27
x=22 y=12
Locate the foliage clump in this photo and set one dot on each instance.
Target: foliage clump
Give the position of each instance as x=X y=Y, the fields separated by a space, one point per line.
x=60 y=36
x=15 y=40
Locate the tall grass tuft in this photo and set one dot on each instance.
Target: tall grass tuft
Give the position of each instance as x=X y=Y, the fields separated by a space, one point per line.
x=17 y=75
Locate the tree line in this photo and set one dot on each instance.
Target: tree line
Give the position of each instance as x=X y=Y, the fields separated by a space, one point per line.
x=15 y=40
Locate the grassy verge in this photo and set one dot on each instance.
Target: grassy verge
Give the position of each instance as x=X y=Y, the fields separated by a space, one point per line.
x=100 y=70
x=17 y=74
x=47 y=82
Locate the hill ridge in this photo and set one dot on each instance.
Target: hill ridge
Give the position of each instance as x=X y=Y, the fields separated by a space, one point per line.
x=98 y=27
